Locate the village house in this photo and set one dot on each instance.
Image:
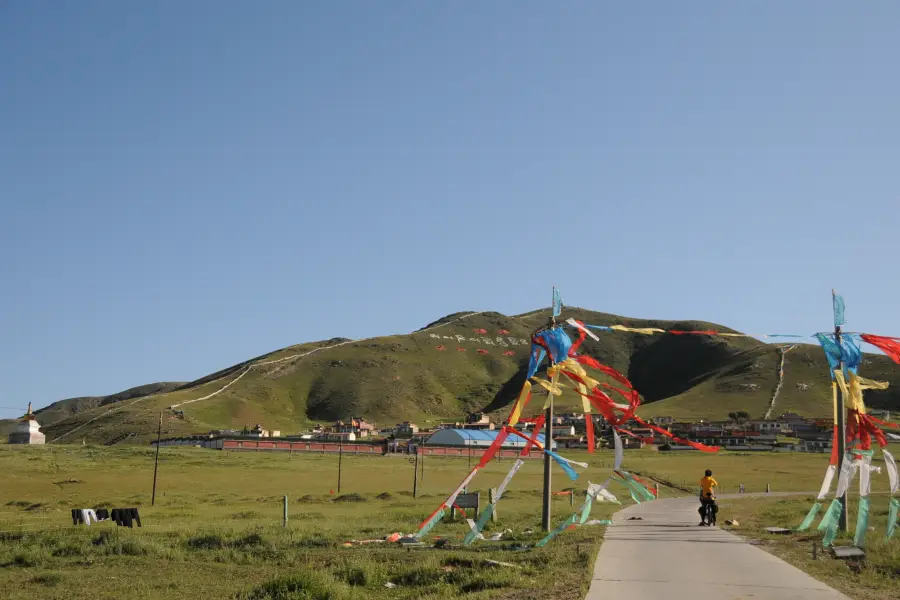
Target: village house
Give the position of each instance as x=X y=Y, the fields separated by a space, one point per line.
x=562 y=430
x=358 y=426
x=405 y=430
x=764 y=426
x=479 y=422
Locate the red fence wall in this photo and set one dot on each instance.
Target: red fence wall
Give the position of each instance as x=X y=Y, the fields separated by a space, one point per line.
x=362 y=448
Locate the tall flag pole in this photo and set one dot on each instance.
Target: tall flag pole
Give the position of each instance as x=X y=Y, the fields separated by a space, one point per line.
x=556 y=310
x=837 y=303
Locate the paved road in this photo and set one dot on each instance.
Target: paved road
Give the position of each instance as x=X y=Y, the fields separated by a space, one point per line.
x=666 y=555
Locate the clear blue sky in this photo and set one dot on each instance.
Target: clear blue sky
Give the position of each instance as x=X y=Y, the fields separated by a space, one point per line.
x=188 y=184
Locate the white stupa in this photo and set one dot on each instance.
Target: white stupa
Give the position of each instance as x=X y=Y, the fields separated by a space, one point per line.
x=27 y=430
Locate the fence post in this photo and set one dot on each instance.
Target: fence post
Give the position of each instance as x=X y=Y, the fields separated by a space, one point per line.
x=284 y=518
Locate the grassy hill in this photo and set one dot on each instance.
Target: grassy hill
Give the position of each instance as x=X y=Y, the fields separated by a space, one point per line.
x=462 y=363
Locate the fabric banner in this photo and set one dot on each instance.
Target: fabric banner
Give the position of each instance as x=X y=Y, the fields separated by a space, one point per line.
x=562 y=462
x=810 y=517
x=865 y=476
x=580 y=326
x=515 y=469
x=606 y=494
x=452 y=499
x=600 y=493
x=641 y=330
x=848 y=472
x=519 y=406
x=493 y=448
x=586 y=510
x=537 y=357
x=832 y=514
x=838 y=304
x=476 y=528
x=892 y=517
x=562 y=527
x=891 y=466
x=830 y=522
x=675 y=438
x=890 y=346
x=862 y=523
x=430 y=522
x=557 y=302
x=639 y=493
x=532 y=441
x=589 y=430
x=826 y=483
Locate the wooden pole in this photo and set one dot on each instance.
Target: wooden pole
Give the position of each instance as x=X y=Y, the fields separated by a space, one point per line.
x=340 y=460
x=416 y=475
x=156 y=462
x=841 y=426
x=548 y=445
x=548 y=432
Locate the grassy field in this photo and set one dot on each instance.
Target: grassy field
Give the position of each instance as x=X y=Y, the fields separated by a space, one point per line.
x=216 y=531
x=876 y=578
x=216 y=528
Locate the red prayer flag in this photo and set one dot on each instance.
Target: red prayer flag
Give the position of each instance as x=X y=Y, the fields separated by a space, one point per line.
x=492 y=449
x=889 y=346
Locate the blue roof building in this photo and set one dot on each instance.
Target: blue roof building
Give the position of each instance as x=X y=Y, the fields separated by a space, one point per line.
x=477 y=439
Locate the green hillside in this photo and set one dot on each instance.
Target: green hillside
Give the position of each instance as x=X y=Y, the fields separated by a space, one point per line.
x=438 y=373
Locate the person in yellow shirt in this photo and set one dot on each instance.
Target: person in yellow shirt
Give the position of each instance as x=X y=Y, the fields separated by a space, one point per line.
x=708 y=508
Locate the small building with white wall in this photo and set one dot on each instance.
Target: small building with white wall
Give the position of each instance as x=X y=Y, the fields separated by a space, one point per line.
x=27 y=430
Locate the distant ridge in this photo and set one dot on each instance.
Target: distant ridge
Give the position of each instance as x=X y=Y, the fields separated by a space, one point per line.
x=465 y=362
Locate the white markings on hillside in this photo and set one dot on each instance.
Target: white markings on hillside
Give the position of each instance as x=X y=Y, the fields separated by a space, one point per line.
x=247 y=370
x=783 y=350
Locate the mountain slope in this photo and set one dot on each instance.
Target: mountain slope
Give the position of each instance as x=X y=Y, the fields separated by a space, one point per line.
x=463 y=363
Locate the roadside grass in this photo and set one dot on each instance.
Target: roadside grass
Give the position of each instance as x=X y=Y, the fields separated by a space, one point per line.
x=875 y=578
x=215 y=530
x=783 y=472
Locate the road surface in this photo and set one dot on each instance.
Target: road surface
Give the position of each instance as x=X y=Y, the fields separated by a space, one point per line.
x=667 y=556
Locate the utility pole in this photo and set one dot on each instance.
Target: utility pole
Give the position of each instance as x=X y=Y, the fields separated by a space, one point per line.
x=416 y=475
x=340 y=460
x=156 y=462
x=840 y=422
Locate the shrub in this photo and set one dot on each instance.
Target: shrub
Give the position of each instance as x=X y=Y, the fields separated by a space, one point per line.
x=249 y=540
x=350 y=498
x=206 y=542
x=315 y=585
x=48 y=579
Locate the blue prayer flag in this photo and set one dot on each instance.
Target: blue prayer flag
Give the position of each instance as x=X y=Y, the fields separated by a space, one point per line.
x=557 y=303
x=838 y=302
